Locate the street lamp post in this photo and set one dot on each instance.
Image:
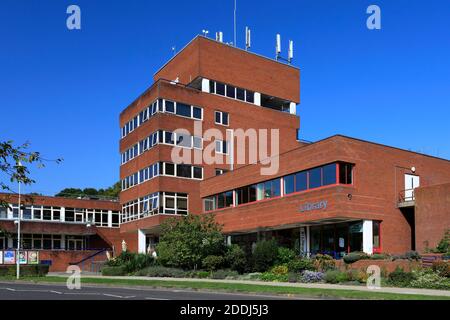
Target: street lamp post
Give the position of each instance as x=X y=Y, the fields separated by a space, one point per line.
x=18 y=233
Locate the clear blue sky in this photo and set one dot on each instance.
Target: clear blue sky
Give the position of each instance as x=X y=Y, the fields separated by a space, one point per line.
x=63 y=90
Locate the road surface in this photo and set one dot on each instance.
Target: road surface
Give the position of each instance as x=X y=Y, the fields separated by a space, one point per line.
x=31 y=291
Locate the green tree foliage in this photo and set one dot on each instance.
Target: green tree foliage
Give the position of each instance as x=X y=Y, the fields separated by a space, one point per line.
x=15 y=162
x=187 y=241
x=111 y=192
x=265 y=255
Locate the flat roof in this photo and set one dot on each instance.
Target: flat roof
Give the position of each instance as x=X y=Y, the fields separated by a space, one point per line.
x=228 y=46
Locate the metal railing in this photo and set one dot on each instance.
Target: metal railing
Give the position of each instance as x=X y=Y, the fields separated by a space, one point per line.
x=91 y=262
x=407 y=195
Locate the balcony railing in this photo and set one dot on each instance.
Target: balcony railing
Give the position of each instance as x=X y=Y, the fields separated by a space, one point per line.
x=407 y=198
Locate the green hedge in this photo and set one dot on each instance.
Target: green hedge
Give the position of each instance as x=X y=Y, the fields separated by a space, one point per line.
x=38 y=270
x=114 y=271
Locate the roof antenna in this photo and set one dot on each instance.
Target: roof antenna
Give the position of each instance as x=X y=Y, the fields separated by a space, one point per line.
x=248 y=41
x=219 y=36
x=205 y=33
x=278 y=47
x=291 y=51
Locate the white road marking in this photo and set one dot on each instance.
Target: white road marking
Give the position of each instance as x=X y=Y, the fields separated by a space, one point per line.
x=150 y=298
x=112 y=295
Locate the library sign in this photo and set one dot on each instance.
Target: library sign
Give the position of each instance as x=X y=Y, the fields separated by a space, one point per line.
x=312 y=206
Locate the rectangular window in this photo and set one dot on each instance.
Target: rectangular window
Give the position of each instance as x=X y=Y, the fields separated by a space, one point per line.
x=197 y=142
x=168 y=137
x=376 y=234
x=170 y=106
x=209 y=203
x=250 y=96
x=197 y=113
x=289 y=186
x=169 y=169
x=345 y=173
x=240 y=94
x=47 y=213
x=315 y=178
x=329 y=174
x=220 y=88
x=184 y=140
x=212 y=86
x=231 y=92
x=198 y=173
x=183 y=110
x=221 y=117
x=301 y=181
x=184 y=171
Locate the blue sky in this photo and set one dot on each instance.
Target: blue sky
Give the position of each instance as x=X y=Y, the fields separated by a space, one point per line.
x=63 y=90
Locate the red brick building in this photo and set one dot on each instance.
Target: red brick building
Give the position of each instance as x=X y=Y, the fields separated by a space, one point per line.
x=336 y=195
x=333 y=196
x=63 y=230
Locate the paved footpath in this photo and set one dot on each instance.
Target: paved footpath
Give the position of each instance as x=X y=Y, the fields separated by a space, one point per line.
x=427 y=292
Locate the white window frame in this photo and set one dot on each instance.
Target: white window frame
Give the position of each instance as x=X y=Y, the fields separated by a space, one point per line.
x=221 y=118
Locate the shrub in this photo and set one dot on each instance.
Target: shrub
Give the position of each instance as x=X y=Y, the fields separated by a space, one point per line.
x=294 y=277
x=400 y=278
x=357 y=275
x=265 y=255
x=355 y=256
x=270 y=277
x=38 y=270
x=442 y=268
x=301 y=264
x=236 y=258
x=160 y=271
x=379 y=256
x=131 y=262
x=285 y=255
x=410 y=255
x=428 y=279
x=212 y=263
x=444 y=245
x=312 y=276
x=224 y=274
x=185 y=242
x=280 y=270
x=114 y=271
x=335 y=276
x=251 y=276
x=324 y=262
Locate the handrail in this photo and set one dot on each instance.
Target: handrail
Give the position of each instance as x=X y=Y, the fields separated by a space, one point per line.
x=404 y=198
x=89 y=257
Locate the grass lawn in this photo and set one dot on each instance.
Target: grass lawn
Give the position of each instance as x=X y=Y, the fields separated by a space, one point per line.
x=235 y=287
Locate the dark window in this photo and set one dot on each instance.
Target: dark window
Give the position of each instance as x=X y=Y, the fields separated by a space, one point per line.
x=250 y=96
x=345 y=173
x=183 y=110
x=170 y=106
x=221 y=200
x=376 y=234
x=218 y=116
x=220 y=88
x=329 y=174
x=47 y=213
x=47 y=243
x=301 y=181
x=211 y=86
x=169 y=169
x=231 y=93
x=169 y=137
x=252 y=193
x=315 y=178
x=196 y=112
x=240 y=94
x=198 y=173
x=184 y=170
x=225 y=118
x=229 y=198
x=289 y=184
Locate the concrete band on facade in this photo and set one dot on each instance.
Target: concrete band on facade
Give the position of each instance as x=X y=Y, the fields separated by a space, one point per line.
x=381 y=198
